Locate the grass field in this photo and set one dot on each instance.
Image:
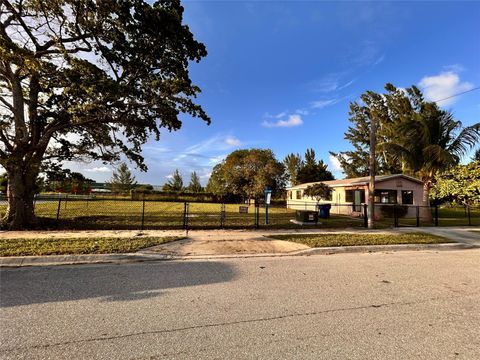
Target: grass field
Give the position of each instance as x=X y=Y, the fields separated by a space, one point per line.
x=127 y=214
x=325 y=240
x=447 y=216
x=84 y=245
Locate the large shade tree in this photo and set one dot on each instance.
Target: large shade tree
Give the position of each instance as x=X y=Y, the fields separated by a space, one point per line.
x=246 y=173
x=88 y=79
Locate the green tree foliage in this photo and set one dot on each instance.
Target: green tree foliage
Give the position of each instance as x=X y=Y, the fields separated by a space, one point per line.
x=194 y=186
x=175 y=184
x=312 y=170
x=88 y=79
x=245 y=174
x=458 y=185
x=319 y=192
x=3 y=183
x=384 y=109
x=62 y=180
x=476 y=156
x=216 y=183
x=122 y=180
x=293 y=163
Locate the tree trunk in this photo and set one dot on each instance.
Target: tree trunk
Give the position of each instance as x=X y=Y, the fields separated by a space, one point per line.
x=425 y=211
x=20 y=196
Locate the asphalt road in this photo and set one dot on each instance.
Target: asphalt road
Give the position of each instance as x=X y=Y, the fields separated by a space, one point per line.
x=404 y=305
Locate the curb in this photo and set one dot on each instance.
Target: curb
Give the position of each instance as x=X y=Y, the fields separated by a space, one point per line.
x=51 y=260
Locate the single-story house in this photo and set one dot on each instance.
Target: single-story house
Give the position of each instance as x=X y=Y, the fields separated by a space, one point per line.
x=349 y=195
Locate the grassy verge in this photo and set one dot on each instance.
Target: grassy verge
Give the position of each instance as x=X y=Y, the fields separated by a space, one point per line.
x=325 y=240
x=63 y=246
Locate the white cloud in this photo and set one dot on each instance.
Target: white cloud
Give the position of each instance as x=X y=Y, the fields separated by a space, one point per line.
x=330 y=83
x=293 y=120
x=443 y=85
x=101 y=169
x=336 y=166
x=217 y=159
x=302 y=111
x=456 y=68
x=320 y=104
x=232 y=141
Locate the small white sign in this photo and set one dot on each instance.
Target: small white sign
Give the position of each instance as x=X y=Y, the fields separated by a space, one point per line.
x=269 y=195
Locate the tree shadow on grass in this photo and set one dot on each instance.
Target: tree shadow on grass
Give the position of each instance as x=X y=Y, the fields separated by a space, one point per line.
x=126 y=282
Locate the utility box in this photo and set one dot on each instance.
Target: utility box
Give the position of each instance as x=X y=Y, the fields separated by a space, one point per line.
x=324 y=211
x=308 y=217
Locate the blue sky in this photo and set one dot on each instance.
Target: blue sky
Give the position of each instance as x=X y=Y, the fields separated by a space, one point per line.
x=280 y=75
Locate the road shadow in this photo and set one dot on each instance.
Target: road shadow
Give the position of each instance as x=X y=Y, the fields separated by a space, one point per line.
x=124 y=282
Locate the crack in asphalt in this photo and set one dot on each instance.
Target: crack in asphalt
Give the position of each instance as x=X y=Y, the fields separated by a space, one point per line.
x=205 y=326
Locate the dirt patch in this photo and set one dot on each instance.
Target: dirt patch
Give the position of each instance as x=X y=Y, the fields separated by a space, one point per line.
x=197 y=247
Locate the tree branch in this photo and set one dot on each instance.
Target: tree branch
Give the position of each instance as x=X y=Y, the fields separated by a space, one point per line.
x=18 y=16
x=6 y=103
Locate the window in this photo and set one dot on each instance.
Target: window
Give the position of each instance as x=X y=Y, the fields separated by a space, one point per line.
x=349 y=195
x=386 y=196
x=299 y=194
x=407 y=197
x=290 y=195
x=359 y=198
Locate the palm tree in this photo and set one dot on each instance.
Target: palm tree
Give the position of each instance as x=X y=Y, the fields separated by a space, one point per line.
x=431 y=141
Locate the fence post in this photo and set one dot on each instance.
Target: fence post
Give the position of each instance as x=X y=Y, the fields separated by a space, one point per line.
x=469 y=217
x=395 y=220
x=436 y=215
x=222 y=216
x=418 y=215
x=185 y=216
x=58 y=208
x=143 y=212
x=365 y=215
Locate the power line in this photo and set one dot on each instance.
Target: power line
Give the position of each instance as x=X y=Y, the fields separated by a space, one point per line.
x=455 y=95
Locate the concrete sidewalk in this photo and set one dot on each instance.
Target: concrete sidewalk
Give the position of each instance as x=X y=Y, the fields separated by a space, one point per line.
x=199 y=245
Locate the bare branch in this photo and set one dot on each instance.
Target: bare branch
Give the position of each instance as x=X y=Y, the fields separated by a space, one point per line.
x=6 y=103
x=19 y=18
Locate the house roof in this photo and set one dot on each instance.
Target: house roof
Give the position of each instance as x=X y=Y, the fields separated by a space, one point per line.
x=357 y=181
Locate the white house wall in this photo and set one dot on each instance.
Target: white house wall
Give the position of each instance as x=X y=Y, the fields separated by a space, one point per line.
x=341 y=206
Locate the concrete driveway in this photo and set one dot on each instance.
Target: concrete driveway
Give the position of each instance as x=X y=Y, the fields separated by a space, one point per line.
x=468 y=234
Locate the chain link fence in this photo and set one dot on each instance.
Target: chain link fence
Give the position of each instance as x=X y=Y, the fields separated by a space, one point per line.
x=84 y=212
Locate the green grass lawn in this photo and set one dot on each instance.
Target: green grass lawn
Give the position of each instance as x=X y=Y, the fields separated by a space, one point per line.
x=63 y=246
x=126 y=214
x=325 y=240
